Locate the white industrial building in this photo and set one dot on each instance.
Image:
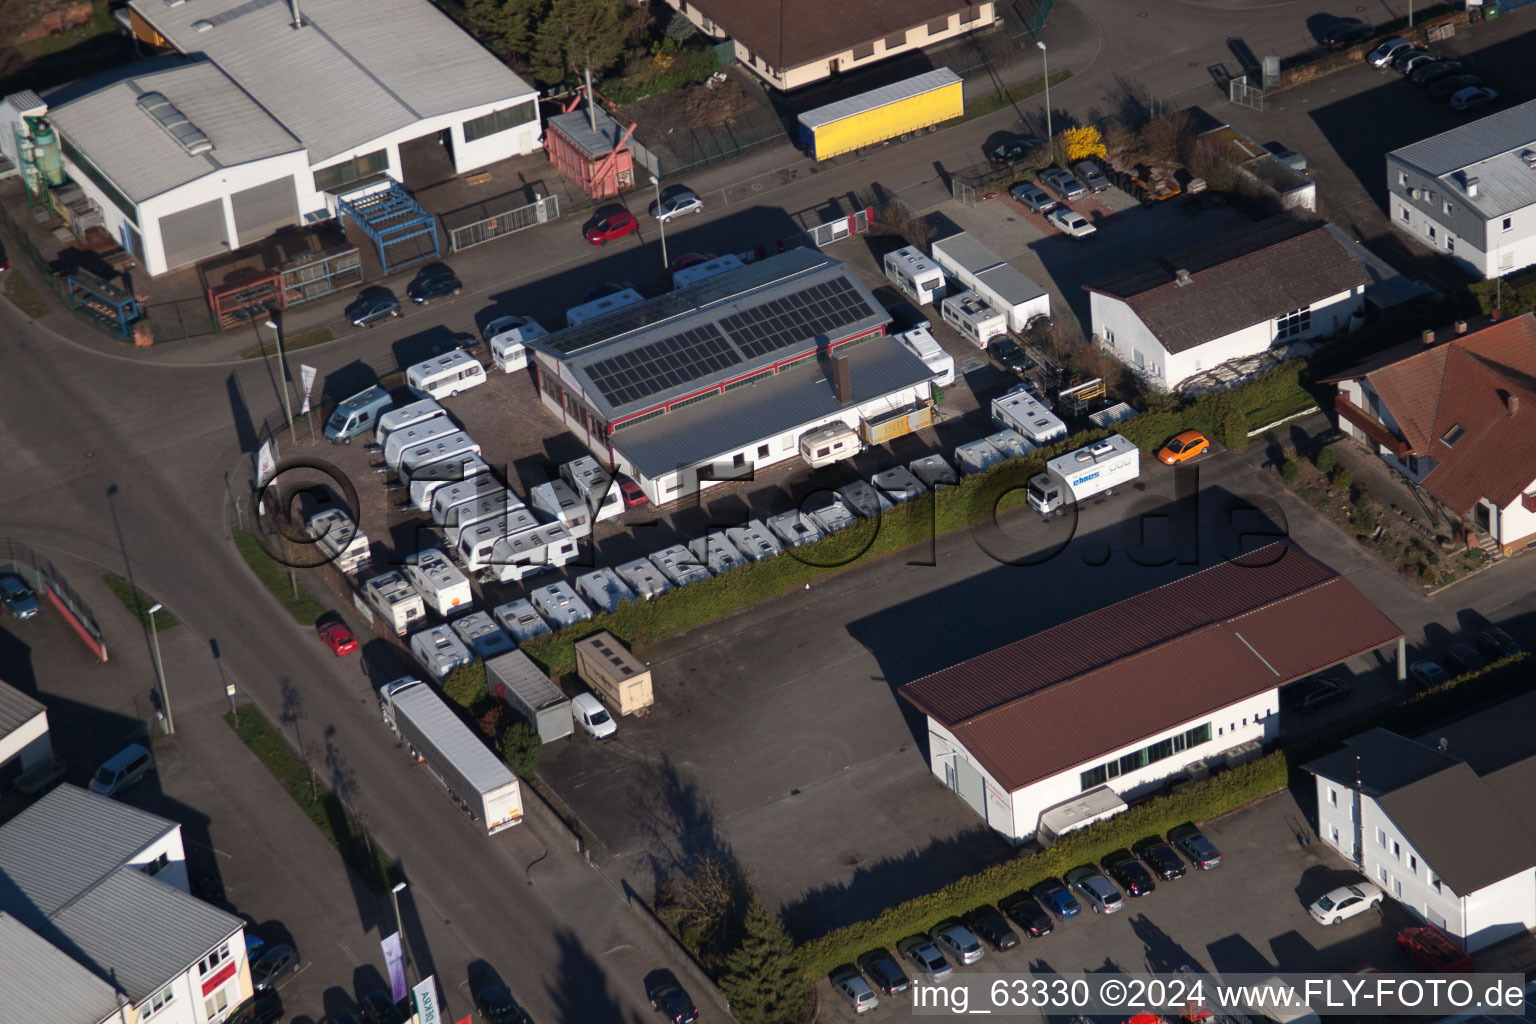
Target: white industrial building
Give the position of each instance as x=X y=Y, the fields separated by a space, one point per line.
x=1277 y=283
x=714 y=379
x=1470 y=193
x=96 y=906
x=25 y=745
x=259 y=115
x=1442 y=823
x=1093 y=710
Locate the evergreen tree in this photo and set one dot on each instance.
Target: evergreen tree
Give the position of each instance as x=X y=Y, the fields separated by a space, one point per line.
x=762 y=980
x=577 y=34
x=513 y=21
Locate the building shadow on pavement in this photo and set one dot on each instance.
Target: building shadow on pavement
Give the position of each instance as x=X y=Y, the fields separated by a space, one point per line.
x=581 y=993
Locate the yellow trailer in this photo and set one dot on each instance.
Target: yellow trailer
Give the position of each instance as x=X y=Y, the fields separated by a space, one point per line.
x=889 y=426
x=891 y=112
x=620 y=678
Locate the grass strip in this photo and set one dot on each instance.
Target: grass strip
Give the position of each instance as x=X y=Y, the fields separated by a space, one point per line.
x=20 y=291
x=303 y=606
x=138 y=602
x=306 y=339
x=1012 y=94
x=366 y=859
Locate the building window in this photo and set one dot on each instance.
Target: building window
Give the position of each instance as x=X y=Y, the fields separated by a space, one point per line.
x=1381 y=873
x=896 y=41
x=1509 y=222
x=1431 y=232
x=739 y=460
x=1381 y=838
x=762 y=451
x=1333 y=834
x=1413 y=865
x=1448 y=210
x=639 y=419
x=328 y=179
x=938 y=26
x=157 y=1002
x=1397 y=850
x=754 y=378
x=498 y=121
x=1407 y=215
x=1397 y=887
x=155 y=866
x=1150 y=754
x=1333 y=797
x=208 y=964
x=1294 y=323
x=864 y=51
x=692 y=401
x=1450 y=244
x=216 y=1003
x=1434 y=881
x=1402 y=179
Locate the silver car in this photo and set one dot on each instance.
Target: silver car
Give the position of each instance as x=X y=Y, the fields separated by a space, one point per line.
x=851 y=984
x=1033 y=196
x=1063 y=184
x=1102 y=896
x=1089 y=174
x=1389 y=48
x=958 y=941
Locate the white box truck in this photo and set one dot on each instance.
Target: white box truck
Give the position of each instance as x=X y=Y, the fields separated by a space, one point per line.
x=919 y=278
x=1097 y=469
x=396 y=601
x=338 y=538
x=1000 y=285
x=524 y=687
x=439 y=650
x=1021 y=411
x=595 y=486
x=442 y=587
x=975 y=319
x=436 y=737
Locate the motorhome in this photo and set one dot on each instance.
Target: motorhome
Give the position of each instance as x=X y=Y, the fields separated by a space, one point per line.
x=474 y=543
x=717 y=552
x=794 y=528
x=442 y=587
x=604 y=589
x=423 y=455
x=898 y=484
x=446 y=375
x=1098 y=468
x=559 y=604
x=754 y=540
x=430 y=479
x=921 y=343
x=556 y=499
x=977 y=456
x=406 y=416
x=481 y=634
x=357 y=415
x=414 y=436
x=919 y=278
x=969 y=314
x=439 y=650
x=607 y=304
x=544 y=548
x=933 y=471
x=338 y=538
x=1020 y=410
x=706 y=270
x=831 y=443
x=509 y=342
x=644 y=578
x=521 y=620
x=679 y=565
x=395 y=601
x=595 y=486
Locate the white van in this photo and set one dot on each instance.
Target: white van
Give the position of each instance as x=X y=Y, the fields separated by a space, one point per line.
x=481 y=635
x=123 y=770
x=444 y=589
x=439 y=650
x=919 y=278
x=445 y=375
x=831 y=443
x=339 y=539
x=559 y=604
x=403 y=440
x=597 y=307
x=557 y=500
x=969 y=314
x=508 y=340
x=431 y=479
x=446 y=447
x=474 y=544
x=921 y=343
x=396 y=601
x=406 y=416
x=595 y=487
x=706 y=270
x=588 y=712
x=357 y=414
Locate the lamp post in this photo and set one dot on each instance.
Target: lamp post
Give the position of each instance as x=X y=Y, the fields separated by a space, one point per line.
x=282 y=373
x=1050 y=136
x=660 y=223
x=165 y=697
x=394 y=898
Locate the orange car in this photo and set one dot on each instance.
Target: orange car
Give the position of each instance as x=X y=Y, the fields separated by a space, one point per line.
x=1184 y=447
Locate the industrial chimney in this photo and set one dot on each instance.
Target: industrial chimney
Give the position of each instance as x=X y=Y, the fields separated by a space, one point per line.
x=842 y=383
x=1181 y=277
x=1428 y=336
x=298 y=18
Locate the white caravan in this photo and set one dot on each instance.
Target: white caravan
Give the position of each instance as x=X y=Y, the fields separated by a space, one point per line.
x=595 y=486
x=423 y=455
x=919 y=278
x=521 y=620
x=921 y=343
x=439 y=650
x=604 y=588
x=406 y=416
x=557 y=500
x=679 y=565
x=446 y=375
x=597 y=307
x=559 y=604
x=442 y=587
x=717 y=552
x=1019 y=410
x=898 y=484
x=474 y=543
x=414 y=436
x=338 y=538
x=481 y=634
x=794 y=528
x=396 y=601
x=545 y=547
x=644 y=578
x=430 y=479
x=508 y=338
x=754 y=540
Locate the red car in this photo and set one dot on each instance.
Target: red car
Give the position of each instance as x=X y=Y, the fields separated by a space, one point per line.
x=337 y=636
x=1434 y=950
x=615 y=225
x=690 y=259
x=633 y=495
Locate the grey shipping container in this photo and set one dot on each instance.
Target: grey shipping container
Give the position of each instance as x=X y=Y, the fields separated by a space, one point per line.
x=516 y=681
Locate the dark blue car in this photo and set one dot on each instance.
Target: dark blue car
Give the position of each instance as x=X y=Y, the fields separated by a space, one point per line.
x=18 y=596
x=434 y=282
x=373 y=305
x=1057 y=899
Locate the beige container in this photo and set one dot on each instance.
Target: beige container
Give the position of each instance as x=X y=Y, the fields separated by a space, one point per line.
x=618 y=677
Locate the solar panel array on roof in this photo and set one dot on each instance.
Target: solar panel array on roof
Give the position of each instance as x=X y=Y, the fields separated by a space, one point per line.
x=794 y=318
x=663 y=364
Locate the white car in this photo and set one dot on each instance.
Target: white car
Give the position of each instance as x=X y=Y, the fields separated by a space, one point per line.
x=1389 y=48
x=1071 y=222
x=593 y=718
x=676 y=203
x=1345 y=902
x=855 y=989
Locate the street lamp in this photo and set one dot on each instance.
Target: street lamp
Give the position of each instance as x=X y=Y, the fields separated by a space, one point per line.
x=394 y=898
x=165 y=697
x=1045 y=60
x=660 y=223
x=282 y=373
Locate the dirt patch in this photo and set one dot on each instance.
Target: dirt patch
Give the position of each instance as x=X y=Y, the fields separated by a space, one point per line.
x=694 y=106
x=38 y=19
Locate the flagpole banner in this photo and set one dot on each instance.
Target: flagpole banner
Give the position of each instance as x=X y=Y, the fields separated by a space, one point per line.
x=307 y=375
x=266 y=463
x=425 y=997
x=394 y=958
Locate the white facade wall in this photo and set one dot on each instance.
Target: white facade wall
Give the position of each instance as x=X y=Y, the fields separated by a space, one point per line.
x=190 y=1004
x=1134 y=344
x=1513 y=525
x=1363 y=397
x=166 y=860
x=1256 y=719
x=1500 y=911
x=30 y=742
x=1469 y=253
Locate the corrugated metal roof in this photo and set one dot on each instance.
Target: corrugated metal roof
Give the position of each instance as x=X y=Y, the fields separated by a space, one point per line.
x=16 y=709
x=1385 y=285
x=577 y=127
x=748 y=415
x=42 y=983
x=354 y=73
x=928 y=81
x=65 y=843
x=101 y=118
x=816 y=29
x=1381 y=761
x=24 y=99
x=139 y=931
x=1463 y=828
x=1488 y=149
x=1149 y=663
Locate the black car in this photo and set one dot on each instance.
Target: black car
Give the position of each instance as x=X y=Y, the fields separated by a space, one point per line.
x=207 y=887
x=373 y=305
x=1202 y=853
x=1460 y=659
x=275 y=965
x=1010 y=355
x=666 y=994
x=1496 y=643
x=1447 y=87
x=497 y=1006
x=433 y=283
x=1027 y=914
x=1013 y=148
x=1309 y=695
x=1124 y=868
x=262 y=1008
x=378 y=1008
x=993 y=928
x=1161 y=859
x=1344 y=33
x=884 y=972
x=907 y=317
x=1424 y=74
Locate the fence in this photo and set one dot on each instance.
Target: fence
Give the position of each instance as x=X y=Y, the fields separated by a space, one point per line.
x=49 y=584
x=503 y=222
x=177 y=319
x=687 y=148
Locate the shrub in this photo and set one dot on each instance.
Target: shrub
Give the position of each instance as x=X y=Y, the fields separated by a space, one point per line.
x=1289 y=472
x=1362 y=499
x=1326 y=460
x=1427 y=576
x=522 y=748
x=1343 y=478
x=465 y=685
x=1083 y=143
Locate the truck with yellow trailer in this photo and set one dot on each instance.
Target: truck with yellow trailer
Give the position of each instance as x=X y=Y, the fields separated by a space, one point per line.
x=895 y=111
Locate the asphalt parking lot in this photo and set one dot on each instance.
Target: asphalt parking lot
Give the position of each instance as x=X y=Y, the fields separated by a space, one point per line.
x=1247 y=916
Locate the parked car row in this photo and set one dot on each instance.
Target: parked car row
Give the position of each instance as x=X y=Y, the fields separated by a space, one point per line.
x=1067 y=187
x=1447 y=81
x=1488 y=643
x=376 y=302
x=961 y=942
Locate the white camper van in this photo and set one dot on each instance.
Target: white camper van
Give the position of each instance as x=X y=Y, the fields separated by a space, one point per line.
x=557 y=500
x=597 y=307
x=594 y=486
x=446 y=375
x=921 y=343
x=439 y=650
x=508 y=338
x=444 y=589
x=1021 y=411
x=831 y=443
x=481 y=635
x=919 y=278
x=559 y=604
x=403 y=439
x=644 y=578
x=706 y=270
x=339 y=539
x=427 y=481
x=545 y=547
x=396 y=601
x=474 y=544
x=969 y=314
x=604 y=589
x=521 y=620
x=423 y=455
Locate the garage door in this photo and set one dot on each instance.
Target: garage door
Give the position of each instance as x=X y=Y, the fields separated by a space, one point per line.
x=192 y=234
x=260 y=211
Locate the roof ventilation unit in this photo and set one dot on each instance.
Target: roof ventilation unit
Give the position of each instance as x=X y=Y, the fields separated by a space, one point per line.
x=175 y=123
x=1529 y=156
x=1181 y=277
x=1471 y=183
x=174 y=3
x=202 y=26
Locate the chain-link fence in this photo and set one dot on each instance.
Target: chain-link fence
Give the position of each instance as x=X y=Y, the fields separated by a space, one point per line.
x=683 y=149
x=178 y=319
x=49 y=584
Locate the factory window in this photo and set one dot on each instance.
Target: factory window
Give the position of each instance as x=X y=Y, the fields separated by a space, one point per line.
x=1431 y=233
x=216 y=1003
x=157 y=1002
x=1448 y=208
x=1397 y=850
x=1509 y=222
x=1434 y=881
x=1413 y=864
x=328 y=179
x=1450 y=244
x=896 y=40
x=754 y=378
x=762 y=451
x=1407 y=216
x=1150 y=754
x=153 y=867
x=863 y=51
x=1297 y=321
x=640 y=419
x=797 y=362
x=1381 y=838
x=691 y=401
x=739 y=460
x=114 y=196
x=938 y=26
x=208 y=964
x=498 y=121
x=1333 y=797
